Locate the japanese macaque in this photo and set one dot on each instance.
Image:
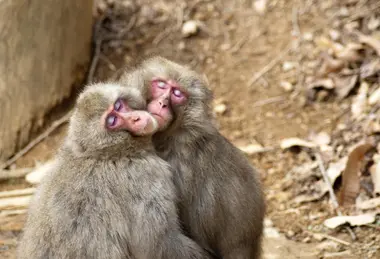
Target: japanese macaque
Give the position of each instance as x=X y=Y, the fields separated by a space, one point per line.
x=221 y=200
x=109 y=194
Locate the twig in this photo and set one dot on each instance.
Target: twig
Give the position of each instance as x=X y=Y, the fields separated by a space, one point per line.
x=269 y=101
x=269 y=66
x=331 y=192
x=37 y=140
x=17 y=193
x=360 y=13
x=95 y=61
x=14 y=173
x=191 y=7
x=111 y=66
x=129 y=26
x=265 y=150
x=296 y=28
x=352 y=234
x=162 y=35
x=180 y=15
x=239 y=45
x=340 y=241
x=327 y=181
x=97 y=51
x=15 y=202
x=7 y=213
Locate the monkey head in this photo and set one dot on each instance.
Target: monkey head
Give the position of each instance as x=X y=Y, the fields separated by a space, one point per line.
x=178 y=96
x=109 y=119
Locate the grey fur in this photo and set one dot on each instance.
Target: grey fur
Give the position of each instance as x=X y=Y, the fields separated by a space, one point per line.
x=109 y=195
x=222 y=205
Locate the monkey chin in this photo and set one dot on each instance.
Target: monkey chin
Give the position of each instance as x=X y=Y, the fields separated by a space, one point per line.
x=162 y=122
x=163 y=116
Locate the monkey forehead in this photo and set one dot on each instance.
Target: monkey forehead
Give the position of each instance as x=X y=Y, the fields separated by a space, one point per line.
x=162 y=67
x=111 y=92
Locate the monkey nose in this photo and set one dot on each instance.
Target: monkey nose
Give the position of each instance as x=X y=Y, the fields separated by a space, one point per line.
x=163 y=103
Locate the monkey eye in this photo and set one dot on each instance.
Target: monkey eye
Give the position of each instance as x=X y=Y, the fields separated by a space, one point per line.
x=177 y=93
x=111 y=120
x=161 y=84
x=118 y=105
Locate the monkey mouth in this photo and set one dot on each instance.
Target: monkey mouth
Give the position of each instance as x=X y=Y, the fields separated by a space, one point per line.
x=155 y=114
x=159 y=118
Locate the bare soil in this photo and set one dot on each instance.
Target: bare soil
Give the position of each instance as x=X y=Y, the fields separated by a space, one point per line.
x=235 y=43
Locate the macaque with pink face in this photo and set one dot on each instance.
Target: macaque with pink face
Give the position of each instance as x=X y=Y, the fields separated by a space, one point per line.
x=165 y=93
x=221 y=200
x=108 y=195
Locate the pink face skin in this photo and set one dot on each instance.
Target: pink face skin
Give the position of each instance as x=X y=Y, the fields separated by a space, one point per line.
x=166 y=93
x=120 y=116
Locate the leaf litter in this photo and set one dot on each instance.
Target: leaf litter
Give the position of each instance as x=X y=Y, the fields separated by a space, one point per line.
x=344 y=68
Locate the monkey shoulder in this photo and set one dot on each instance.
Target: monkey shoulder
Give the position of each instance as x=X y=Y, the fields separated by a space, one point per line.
x=213 y=164
x=153 y=166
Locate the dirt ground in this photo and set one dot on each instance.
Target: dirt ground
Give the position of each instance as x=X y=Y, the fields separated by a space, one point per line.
x=236 y=42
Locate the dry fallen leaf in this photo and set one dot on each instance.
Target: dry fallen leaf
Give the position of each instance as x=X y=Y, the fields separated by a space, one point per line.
x=350 y=176
x=327 y=152
x=335 y=169
x=373 y=127
x=296 y=142
x=358 y=220
x=360 y=101
x=374 y=98
x=305 y=171
x=351 y=26
x=371 y=41
x=370 y=68
x=373 y=23
x=344 y=85
x=320 y=188
x=252 y=149
x=304 y=198
x=369 y=204
x=326 y=83
x=329 y=65
x=323 y=43
x=349 y=53
x=321 y=139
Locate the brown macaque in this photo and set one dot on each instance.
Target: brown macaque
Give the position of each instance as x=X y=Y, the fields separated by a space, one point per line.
x=221 y=200
x=109 y=194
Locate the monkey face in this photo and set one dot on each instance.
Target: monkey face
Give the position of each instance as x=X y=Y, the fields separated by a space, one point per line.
x=108 y=116
x=177 y=96
x=165 y=94
x=119 y=116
